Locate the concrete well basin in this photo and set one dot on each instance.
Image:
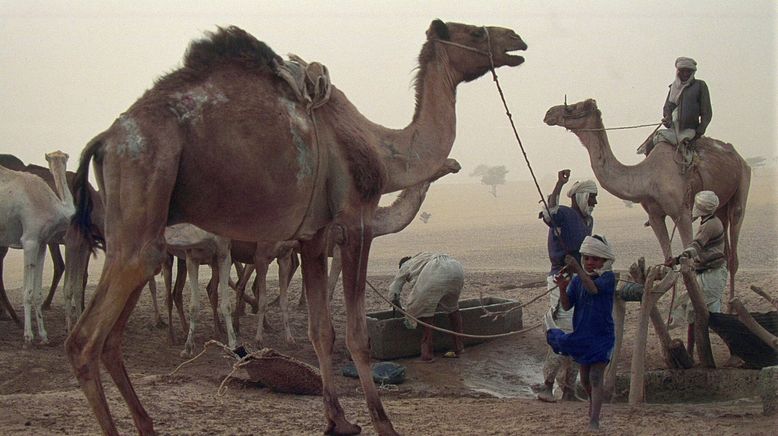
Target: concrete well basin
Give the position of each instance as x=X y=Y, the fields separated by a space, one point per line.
x=390 y=339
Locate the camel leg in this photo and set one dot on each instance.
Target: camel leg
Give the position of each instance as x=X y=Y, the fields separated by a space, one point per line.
x=6 y=304
x=260 y=293
x=226 y=304
x=657 y=222
x=244 y=274
x=113 y=360
x=167 y=278
x=37 y=295
x=735 y=212
x=33 y=268
x=153 y=291
x=212 y=289
x=178 y=293
x=354 y=254
x=192 y=270
x=77 y=254
x=284 y=267
x=320 y=331
x=335 y=269
x=89 y=343
x=685 y=229
x=59 y=269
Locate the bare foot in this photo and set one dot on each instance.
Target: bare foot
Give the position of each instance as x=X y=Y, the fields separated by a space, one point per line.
x=546 y=395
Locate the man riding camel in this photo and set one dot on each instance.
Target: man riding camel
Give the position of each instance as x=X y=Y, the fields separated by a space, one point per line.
x=687 y=110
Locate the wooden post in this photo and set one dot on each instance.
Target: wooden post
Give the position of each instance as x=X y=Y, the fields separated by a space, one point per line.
x=638 y=368
x=619 y=311
x=745 y=317
x=701 y=316
x=667 y=282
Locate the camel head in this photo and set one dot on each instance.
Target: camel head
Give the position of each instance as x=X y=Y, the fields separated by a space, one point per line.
x=468 y=47
x=581 y=115
x=59 y=156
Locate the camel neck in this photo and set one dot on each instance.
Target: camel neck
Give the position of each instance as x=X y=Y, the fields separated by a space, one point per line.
x=623 y=181
x=413 y=154
x=58 y=171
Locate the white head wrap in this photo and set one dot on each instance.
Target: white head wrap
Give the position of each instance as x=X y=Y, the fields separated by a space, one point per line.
x=580 y=191
x=687 y=63
x=677 y=86
x=592 y=246
x=705 y=203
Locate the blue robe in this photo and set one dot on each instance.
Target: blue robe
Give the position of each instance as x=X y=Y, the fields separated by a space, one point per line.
x=593 y=333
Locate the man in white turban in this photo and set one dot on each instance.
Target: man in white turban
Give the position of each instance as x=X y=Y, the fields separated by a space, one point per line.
x=687 y=110
x=710 y=262
x=436 y=283
x=568 y=226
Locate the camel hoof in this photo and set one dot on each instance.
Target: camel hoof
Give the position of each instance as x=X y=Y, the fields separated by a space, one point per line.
x=188 y=350
x=342 y=428
x=44 y=341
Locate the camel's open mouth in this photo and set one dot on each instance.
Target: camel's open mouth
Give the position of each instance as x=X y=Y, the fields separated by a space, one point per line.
x=514 y=60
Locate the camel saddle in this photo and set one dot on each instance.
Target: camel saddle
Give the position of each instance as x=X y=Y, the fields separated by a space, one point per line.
x=309 y=82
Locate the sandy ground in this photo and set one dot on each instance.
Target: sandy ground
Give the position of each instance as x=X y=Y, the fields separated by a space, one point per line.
x=486 y=391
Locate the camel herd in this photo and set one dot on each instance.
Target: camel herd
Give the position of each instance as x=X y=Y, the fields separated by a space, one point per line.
x=222 y=160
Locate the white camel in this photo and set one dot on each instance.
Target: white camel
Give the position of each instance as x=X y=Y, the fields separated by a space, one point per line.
x=201 y=247
x=31 y=216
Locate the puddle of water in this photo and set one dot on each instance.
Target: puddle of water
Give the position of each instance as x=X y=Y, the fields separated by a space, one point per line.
x=503 y=368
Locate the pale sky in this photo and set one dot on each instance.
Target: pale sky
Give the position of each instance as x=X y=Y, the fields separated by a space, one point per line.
x=70 y=68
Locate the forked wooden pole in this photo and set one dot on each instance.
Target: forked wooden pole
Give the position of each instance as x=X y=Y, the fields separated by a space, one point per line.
x=638 y=368
x=745 y=317
x=701 y=316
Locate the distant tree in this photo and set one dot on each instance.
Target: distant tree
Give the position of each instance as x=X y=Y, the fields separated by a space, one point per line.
x=491 y=176
x=425 y=216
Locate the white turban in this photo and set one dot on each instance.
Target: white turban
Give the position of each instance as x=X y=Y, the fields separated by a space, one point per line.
x=593 y=246
x=688 y=63
x=705 y=203
x=580 y=191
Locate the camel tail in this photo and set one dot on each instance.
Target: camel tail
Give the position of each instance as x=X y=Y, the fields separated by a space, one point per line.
x=82 y=219
x=735 y=214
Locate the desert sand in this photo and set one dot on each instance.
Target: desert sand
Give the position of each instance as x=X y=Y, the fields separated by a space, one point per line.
x=501 y=244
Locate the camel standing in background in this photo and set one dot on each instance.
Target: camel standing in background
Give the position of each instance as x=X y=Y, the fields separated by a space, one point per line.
x=659 y=185
x=225 y=144
x=32 y=215
x=76 y=251
x=199 y=247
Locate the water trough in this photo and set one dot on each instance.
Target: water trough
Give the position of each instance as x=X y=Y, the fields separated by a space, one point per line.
x=390 y=339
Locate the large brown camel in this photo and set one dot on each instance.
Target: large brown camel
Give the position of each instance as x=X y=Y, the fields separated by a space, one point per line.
x=32 y=216
x=224 y=144
x=658 y=182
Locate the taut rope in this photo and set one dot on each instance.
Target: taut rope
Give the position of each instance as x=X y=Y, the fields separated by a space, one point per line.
x=433 y=327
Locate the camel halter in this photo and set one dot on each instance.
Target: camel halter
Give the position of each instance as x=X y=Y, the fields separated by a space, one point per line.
x=487 y=53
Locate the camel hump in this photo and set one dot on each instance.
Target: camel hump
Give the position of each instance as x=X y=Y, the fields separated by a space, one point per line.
x=229 y=45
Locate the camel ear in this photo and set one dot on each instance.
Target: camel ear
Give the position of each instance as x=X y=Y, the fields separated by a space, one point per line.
x=438 y=30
